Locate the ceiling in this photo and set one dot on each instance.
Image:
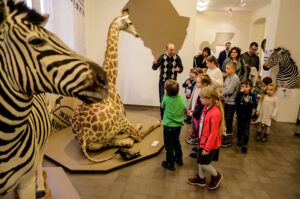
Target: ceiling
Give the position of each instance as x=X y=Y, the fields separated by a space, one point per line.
x=225 y=5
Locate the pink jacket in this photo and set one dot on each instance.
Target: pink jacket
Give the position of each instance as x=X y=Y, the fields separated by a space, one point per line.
x=210 y=137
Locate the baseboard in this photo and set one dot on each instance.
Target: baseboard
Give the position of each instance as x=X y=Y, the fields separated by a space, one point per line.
x=145 y=107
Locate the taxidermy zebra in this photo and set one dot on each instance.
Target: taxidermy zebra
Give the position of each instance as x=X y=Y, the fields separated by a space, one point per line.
x=287 y=76
x=33 y=61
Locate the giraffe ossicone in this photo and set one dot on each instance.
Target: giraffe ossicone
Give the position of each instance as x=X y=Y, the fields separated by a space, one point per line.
x=96 y=125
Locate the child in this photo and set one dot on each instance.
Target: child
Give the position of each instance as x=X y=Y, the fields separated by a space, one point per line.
x=174 y=106
x=257 y=92
x=203 y=81
x=244 y=101
x=266 y=111
x=230 y=89
x=215 y=73
x=189 y=86
x=210 y=130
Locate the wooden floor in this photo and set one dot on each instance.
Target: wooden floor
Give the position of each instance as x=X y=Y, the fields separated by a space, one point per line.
x=268 y=171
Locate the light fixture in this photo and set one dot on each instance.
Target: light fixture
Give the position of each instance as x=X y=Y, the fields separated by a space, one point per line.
x=243 y=3
x=230 y=12
x=201 y=5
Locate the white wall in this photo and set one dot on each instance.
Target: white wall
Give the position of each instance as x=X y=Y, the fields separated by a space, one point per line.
x=137 y=83
x=209 y=23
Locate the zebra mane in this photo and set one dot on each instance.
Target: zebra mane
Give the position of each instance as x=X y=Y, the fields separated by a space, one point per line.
x=285 y=51
x=32 y=16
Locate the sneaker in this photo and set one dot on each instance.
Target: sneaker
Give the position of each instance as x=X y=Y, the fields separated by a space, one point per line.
x=192 y=141
x=215 y=181
x=197 y=181
x=258 y=136
x=193 y=155
x=264 y=138
x=167 y=165
x=240 y=143
x=244 y=148
x=195 y=149
x=227 y=141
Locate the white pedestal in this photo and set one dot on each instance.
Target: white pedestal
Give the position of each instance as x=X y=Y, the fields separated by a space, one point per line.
x=289 y=102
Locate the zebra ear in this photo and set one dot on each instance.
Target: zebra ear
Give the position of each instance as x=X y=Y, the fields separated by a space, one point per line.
x=3 y=11
x=46 y=18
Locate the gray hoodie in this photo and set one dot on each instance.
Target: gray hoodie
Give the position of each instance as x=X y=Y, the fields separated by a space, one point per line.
x=230 y=88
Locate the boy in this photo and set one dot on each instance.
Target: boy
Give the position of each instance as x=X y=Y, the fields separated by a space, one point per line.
x=230 y=88
x=244 y=101
x=189 y=86
x=174 y=106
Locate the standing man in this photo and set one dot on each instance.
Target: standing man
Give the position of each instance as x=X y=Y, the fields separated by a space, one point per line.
x=224 y=54
x=251 y=60
x=169 y=65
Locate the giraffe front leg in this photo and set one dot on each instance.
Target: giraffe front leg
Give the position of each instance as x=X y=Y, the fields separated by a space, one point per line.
x=129 y=129
x=121 y=142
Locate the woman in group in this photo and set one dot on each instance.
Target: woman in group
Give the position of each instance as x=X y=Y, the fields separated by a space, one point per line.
x=200 y=60
x=241 y=69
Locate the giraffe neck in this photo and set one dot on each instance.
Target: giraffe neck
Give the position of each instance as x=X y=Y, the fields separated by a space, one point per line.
x=110 y=64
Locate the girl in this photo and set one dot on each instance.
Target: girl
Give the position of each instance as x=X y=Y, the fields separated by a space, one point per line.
x=235 y=56
x=202 y=82
x=210 y=130
x=215 y=73
x=266 y=111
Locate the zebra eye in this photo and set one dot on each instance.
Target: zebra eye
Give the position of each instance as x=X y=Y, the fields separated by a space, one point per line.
x=37 y=42
x=130 y=23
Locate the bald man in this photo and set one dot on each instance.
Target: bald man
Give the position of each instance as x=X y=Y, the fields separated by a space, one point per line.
x=169 y=64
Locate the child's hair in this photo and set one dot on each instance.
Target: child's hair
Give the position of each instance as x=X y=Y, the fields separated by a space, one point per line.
x=267 y=80
x=232 y=64
x=199 y=70
x=246 y=81
x=259 y=82
x=204 y=79
x=212 y=59
x=265 y=92
x=212 y=93
x=172 y=87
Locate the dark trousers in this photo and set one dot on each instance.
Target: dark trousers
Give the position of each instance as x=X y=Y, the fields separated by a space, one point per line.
x=229 y=113
x=243 y=126
x=172 y=144
x=161 y=96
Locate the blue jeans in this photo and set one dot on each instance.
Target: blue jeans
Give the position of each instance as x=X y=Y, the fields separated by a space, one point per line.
x=161 y=96
x=172 y=144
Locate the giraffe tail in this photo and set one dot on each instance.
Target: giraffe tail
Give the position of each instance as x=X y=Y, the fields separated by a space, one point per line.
x=150 y=128
x=83 y=146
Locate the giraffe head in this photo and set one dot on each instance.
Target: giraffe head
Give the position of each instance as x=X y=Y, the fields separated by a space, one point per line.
x=34 y=60
x=125 y=24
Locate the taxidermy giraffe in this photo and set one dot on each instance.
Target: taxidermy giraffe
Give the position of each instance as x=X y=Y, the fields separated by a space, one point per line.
x=96 y=125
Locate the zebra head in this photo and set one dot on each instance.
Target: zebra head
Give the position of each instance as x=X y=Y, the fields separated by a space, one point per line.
x=276 y=58
x=125 y=24
x=34 y=60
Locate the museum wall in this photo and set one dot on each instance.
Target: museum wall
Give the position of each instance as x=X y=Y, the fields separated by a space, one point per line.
x=208 y=24
x=137 y=83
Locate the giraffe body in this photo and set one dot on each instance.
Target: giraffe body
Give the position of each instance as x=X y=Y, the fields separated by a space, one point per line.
x=96 y=125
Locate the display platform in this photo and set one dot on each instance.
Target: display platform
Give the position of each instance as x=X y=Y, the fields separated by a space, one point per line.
x=65 y=150
x=60 y=185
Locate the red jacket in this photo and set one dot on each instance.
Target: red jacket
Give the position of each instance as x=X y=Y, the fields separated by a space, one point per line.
x=210 y=137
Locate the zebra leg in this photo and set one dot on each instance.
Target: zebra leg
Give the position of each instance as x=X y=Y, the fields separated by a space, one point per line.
x=26 y=186
x=40 y=191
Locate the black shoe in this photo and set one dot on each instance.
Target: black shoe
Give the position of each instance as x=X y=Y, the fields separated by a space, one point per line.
x=179 y=162
x=167 y=165
x=244 y=148
x=193 y=155
x=195 y=149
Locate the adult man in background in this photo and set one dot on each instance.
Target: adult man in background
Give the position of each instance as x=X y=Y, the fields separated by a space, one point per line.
x=224 y=54
x=251 y=60
x=169 y=65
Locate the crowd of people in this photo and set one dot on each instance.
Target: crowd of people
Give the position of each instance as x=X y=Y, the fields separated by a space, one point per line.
x=216 y=90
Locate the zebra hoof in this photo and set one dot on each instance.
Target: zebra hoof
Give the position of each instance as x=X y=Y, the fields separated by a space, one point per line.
x=40 y=194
